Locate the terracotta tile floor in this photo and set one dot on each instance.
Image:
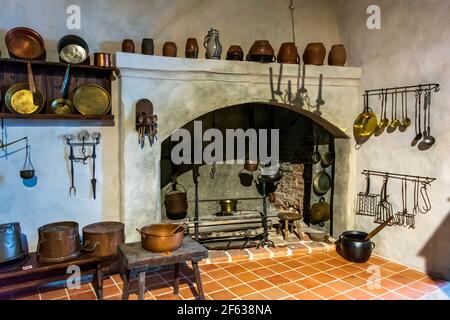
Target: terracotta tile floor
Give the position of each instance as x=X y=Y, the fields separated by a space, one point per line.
x=318 y=276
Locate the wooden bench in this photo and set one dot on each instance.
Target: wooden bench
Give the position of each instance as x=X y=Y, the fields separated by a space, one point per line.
x=30 y=273
x=136 y=261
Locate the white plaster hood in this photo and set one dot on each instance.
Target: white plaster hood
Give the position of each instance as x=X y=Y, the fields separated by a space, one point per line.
x=183 y=89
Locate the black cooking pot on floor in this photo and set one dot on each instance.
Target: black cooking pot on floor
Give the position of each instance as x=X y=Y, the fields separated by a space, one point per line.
x=354 y=247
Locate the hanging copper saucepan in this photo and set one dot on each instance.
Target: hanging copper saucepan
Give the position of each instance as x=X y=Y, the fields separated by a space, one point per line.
x=73 y=49
x=366 y=123
x=320 y=212
x=25 y=43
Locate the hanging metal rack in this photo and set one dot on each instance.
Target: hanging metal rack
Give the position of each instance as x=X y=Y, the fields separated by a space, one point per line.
x=396 y=90
x=398 y=176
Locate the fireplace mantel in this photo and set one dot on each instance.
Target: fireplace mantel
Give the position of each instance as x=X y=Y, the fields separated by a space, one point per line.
x=181 y=90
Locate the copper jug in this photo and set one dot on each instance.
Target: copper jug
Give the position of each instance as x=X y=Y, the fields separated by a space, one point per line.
x=314 y=54
x=288 y=53
x=337 y=55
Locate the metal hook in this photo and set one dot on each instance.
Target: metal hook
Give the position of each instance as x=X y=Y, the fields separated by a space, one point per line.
x=425 y=198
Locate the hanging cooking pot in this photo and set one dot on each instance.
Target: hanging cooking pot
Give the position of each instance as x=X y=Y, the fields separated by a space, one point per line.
x=73 y=49
x=321 y=183
x=58 y=242
x=102 y=238
x=10 y=242
x=27 y=171
x=320 y=212
x=165 y=237
x=175 y=202
x=366 y=123
x=246 y=178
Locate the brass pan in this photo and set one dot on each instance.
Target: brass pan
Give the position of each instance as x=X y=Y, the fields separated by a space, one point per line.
x=19 y=99
x=322 y=183
x=92 y=99
x=366 y=123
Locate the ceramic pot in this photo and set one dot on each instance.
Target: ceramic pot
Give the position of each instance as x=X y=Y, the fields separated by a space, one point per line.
x=147 y=46
x=288 y=53
x=235 y=53
x=354 y=247
x=128 y=46
x=337 y=55
x=191 y=48
x=170 y=49
x=261 y=51
x=314 y=54
x=212 y=45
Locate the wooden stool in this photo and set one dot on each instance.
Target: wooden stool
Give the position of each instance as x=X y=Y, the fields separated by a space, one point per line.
x=290 y=218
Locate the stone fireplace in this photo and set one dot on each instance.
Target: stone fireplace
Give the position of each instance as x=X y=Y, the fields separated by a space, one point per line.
x=183 y=90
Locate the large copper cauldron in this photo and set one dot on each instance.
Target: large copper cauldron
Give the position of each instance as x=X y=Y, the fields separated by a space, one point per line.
x=59 y=241
x=165 y=237
x=102 y=238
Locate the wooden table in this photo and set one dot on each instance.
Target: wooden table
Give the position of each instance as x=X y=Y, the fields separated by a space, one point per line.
x=30 y=273
x=136 y=261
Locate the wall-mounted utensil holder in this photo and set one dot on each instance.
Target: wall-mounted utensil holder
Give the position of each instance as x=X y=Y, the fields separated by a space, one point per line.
x=82 y=141
x=146 y=122
x=397 y=105
x=384 y=210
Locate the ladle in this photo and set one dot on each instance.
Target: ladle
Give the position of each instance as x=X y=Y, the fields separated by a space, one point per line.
x=419 y=99
x=428 y=139
x=384 y=121
x=394 y=122
x=406 y=122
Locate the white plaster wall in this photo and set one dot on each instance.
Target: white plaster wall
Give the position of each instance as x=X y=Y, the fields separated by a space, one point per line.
x=412 y=47
x=104 y=24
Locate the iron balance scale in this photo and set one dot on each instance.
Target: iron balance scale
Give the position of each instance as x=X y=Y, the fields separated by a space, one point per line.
x=85 y=140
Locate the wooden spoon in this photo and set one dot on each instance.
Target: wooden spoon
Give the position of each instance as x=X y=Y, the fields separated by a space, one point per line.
x=378 y=229
x=175 y=230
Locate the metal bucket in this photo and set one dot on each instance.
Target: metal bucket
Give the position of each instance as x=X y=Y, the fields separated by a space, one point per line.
x=10 y=242
x=176 y=204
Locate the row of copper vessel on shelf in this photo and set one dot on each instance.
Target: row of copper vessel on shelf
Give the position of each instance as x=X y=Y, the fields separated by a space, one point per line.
x=60 y=241
x=261 y=51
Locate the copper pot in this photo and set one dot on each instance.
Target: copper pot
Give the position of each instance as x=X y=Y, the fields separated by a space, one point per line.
x=337 y=55
x=170 y=49
x=102 y=59
x=128 y=46
x=102 y=238
x=251 y=165
x=165 y=237
x=191 y=48
x=58 y=242
x=235 y=53
x=314 y=54
x=288 y=53
x=261 y=51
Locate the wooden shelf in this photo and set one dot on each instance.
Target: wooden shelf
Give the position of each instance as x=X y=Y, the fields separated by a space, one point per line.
x=49 y=77
x=57 y=119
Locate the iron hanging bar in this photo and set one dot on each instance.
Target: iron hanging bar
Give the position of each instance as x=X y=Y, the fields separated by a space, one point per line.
x=421 y=87
x=292 y=8
x=424 y=180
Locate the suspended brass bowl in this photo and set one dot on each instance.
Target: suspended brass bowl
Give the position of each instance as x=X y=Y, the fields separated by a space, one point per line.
x=92 y=99
x=365 y=124
x=19 y=99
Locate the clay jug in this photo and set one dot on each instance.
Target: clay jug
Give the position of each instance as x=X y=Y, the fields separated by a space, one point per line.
x=169 y=49
x=288 y=53
x=235 y=53
x=191 y=48
x=337 y=55
x=128 y=46
x=314 y=54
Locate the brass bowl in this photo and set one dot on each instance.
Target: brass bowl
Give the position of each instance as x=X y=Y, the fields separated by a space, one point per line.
x=62 y=106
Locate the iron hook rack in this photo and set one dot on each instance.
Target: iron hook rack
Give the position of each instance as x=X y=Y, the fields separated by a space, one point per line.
x=405 y=89
x=424 y=180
